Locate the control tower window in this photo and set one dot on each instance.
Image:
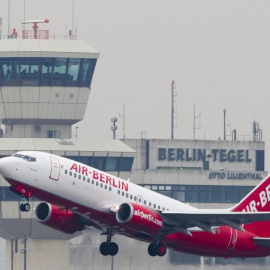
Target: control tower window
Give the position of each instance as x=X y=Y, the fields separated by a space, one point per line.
x=9 y=70
x=35 y=71
x=73 y=69
x=46 y=71
x=87 y=71
x=59 y=71
x=29 y=71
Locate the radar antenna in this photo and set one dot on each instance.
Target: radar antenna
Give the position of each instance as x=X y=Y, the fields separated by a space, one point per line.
x=35 y=25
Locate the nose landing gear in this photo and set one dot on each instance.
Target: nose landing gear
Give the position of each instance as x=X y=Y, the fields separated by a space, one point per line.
x=25 y=207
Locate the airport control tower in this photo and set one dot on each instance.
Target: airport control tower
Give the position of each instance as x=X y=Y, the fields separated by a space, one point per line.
x=45 y=85
x=44 y=90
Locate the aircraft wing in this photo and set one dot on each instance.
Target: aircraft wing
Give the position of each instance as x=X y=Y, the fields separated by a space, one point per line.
x=181 y=221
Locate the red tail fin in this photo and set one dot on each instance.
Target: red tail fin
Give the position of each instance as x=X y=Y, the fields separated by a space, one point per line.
x=258 y=200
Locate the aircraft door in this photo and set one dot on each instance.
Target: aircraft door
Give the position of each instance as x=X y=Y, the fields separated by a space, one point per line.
x=55 y=169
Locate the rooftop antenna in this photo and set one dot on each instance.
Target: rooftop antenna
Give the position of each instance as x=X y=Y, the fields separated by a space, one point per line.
x=24 y=13
x=194 y=122
x=123 y=116
x=73 y=19
x=0 y=28
x=35 y=25
x=224 y=111
x=257 y=132
x=173 y=109
x=114 y=126
x=8 y=18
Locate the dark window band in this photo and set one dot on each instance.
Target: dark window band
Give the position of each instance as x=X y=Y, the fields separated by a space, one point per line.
x=36 y=71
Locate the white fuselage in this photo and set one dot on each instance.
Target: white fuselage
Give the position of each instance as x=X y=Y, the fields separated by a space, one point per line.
x=85 y=185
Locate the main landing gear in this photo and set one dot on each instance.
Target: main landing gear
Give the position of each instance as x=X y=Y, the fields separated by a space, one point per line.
x=157 y=249
x=108 y=247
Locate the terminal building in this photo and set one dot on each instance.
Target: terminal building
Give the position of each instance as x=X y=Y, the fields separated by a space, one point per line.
x=44 y=89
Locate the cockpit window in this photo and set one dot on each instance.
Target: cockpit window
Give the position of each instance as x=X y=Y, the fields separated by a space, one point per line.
x=25 y=157
x=18 y=155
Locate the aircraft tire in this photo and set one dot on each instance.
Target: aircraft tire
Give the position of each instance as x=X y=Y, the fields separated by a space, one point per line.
x=161 y=249
x=113 y=249
x=104 y=249
x=152 y=250
x=22 y=207
x=27 y=207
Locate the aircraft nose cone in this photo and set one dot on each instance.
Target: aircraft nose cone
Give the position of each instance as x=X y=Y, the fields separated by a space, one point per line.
x=6 y=166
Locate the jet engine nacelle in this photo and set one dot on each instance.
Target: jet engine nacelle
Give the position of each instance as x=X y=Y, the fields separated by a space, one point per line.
x=139 y=218
x=57 y=218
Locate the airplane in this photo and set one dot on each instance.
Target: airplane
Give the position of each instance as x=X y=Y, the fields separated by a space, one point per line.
x=75 y=196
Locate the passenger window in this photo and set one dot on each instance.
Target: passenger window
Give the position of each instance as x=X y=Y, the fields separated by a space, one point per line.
x=154 y=205
x=75 y=175
x=84 y=178
x=70 y=173
x=131 y=197
x=135 y=198
x=163 y=208
x=88 y=180
x=65 y=171
x=127 y=195
x=118 y=191
x=144 y=202
x=93 y=182
x=150 y=203
x=97 y=184
x=101 y=185
x=139 y=199
x=159 y=207
x=79 y=176
x=110 y=188
x=123 y=193
x=105 y=186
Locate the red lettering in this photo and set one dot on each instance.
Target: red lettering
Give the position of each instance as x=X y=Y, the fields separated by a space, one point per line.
x=124 y=186
x=84 y=171
x=79 y=169
x=102 y=178
x=74 y=167
x=95 y=175
x=114 y=185
x=108 y=180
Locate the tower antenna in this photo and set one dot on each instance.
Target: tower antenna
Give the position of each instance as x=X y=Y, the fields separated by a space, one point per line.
x=8 y=32
x=194 y=122
x=173 y=97
x=123 y=116
x=224 y=111
x=73 y=29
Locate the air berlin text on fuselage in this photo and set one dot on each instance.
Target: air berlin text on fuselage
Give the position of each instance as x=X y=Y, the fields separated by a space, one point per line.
x=102 y=177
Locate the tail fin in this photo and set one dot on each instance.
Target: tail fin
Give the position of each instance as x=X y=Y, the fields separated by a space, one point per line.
x=258 y=200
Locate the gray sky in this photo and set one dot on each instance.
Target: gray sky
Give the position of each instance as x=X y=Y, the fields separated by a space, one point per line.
x=218 y=52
